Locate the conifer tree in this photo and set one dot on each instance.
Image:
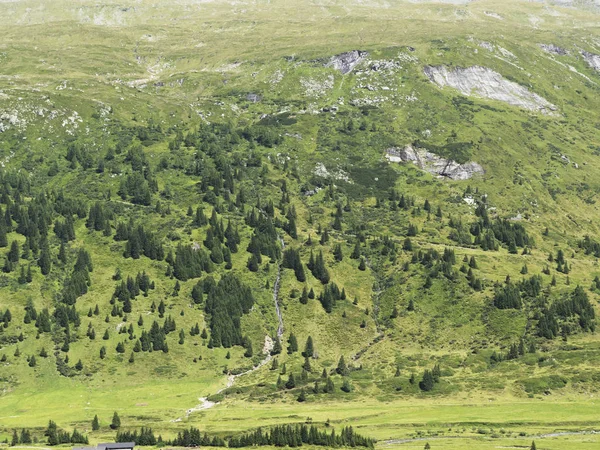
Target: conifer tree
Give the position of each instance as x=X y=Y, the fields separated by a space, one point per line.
x=426 y=384
x=309 y=348
x=346 y=387
x=342 y=368
x=302 y=396
x=44 y=261
x=293 y=344
x=276 y=346
x=291 y=382
x=362 y=265
x=116 y=421
x=95 y=423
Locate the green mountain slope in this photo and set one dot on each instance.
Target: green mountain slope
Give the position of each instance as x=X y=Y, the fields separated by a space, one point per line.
x=192 y=191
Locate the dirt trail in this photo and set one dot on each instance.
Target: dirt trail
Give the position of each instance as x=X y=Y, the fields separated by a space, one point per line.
x=267 y=347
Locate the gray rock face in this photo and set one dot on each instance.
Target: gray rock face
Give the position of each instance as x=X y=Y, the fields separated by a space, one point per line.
x=554 y=49
x=592 y=60
x=435 y=165
x=345 y=62
x=484 y=82
x=254 y=98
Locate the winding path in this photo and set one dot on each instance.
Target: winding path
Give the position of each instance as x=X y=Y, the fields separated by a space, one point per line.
x=267 y=347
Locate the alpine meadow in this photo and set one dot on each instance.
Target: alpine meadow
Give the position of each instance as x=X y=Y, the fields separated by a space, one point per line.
x=285 y=223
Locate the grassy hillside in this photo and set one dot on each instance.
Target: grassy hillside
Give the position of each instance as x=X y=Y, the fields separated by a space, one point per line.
x=163 y=138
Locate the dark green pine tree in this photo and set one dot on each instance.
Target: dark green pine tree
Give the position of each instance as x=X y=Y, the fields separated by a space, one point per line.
x=309 y=349
x=116 y=422
x=342 y=368
x=45 y=262
x=356 y=251
x=249 y=352
x=292 y=344
x=291 y=382
x=302 y=397
x=253 y=263
x=276 y=346
x=362 y=265
x=95 y=423
x=304 y=296
x=13 y=253
x=22 y=276
x=346 y=386
x=337 y=253
x=426 y=384
x=3 y=236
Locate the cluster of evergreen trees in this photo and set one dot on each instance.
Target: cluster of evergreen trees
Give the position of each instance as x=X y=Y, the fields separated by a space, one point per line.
x=79 y=280
x=264 y=240
x=278 y=436
x=130 y=289
x=145 y=437
x=226 y=302
x=330 y=295
x=297 y=435
x=488 y=233
x=155 y=339
x=139 y=242
x=514 y=351
x=590 y=246
x=291 y=260
x=192 y=437
x=317 y=266
x=21 y=438
x=57 y=436
x=430 y=377
x=190 y=263
x=507 y=297
x=566 y=316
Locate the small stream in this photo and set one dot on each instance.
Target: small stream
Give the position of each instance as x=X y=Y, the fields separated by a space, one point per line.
x=268 y=346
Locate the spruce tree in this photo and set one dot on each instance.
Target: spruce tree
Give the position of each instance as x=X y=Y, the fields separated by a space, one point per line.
x=342 y=368
x=426 y=384
x=302 y=396
x=291 y=382
x=116 y=422
x=95 y=423
x=346 y=387
x=293 y=344
x=44 y=262
x=15 y=439
x=309 y=348
x=276 y=346
x=362 y=265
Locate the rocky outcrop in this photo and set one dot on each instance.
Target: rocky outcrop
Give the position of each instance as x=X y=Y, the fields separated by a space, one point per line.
x=345 y=62
x=486 y=83
x=554 y=49
x=434 y=164
x=592 y=59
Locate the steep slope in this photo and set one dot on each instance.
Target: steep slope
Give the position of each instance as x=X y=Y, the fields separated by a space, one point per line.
x=382 y=204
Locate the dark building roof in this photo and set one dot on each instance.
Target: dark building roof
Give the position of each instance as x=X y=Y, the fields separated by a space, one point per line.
x=115 y=445
x=110 y=446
